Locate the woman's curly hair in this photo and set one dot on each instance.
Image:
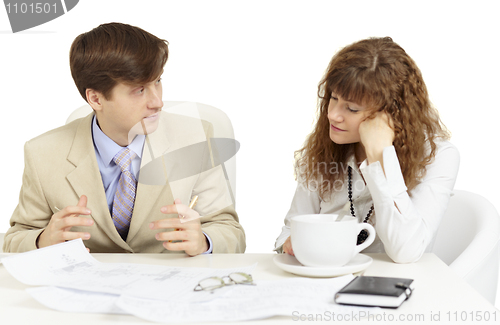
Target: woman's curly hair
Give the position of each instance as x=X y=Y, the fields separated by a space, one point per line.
x=379 y=74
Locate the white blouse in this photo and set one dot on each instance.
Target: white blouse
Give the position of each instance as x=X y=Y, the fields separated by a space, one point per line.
x=405 y=225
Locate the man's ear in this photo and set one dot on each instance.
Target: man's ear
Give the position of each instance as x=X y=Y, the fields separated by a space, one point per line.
x=94 y=98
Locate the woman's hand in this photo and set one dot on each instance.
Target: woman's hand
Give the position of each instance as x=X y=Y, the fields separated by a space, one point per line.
x=376 y=134
x=287 y=247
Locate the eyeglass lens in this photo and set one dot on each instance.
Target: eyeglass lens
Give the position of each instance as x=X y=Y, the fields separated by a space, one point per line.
x=240 y=278
x=211 y=283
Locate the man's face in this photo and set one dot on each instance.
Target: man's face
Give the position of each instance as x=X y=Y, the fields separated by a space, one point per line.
x=129 y=109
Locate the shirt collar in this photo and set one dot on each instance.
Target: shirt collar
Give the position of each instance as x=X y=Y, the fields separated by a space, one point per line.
x=351 y=161
x=107 y=148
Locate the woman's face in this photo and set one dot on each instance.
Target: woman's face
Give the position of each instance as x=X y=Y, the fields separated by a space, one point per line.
x=345 y=118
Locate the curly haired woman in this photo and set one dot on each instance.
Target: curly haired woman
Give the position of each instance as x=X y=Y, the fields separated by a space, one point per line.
x=378 y=150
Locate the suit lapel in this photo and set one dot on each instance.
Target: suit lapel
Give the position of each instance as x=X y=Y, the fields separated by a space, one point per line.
x=86 y=180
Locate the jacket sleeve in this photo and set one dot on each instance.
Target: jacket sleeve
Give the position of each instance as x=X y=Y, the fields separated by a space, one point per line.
x=32 y=214
x=219 y=219
x=222 y=226
x=405 y=223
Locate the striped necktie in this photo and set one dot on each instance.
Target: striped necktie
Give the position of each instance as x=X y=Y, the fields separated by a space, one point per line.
x=123 y=203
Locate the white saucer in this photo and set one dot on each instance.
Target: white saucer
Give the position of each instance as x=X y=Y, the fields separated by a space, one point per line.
x=290 y=264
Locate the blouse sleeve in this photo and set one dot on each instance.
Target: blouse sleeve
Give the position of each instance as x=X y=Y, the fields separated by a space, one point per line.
x=304 y=202
x=407 y=224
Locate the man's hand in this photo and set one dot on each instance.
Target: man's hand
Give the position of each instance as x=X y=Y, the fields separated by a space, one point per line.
x=59 y=228
x=188 y=230
x=287 y=246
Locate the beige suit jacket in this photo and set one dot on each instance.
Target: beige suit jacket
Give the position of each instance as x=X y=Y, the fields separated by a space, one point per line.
x=61 y=165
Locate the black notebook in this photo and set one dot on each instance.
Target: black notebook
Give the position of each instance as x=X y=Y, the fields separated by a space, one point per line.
x=375 y=291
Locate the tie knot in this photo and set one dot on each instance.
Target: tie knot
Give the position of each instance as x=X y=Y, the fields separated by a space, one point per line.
x=123 y=159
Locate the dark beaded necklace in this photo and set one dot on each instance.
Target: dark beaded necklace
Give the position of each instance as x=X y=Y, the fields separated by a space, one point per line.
x=363 y=234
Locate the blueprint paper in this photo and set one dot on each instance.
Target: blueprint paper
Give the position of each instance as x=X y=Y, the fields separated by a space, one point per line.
x=266 y=299
x=76 y=301
x=79 y=283
x=47 y=261
x=70 y=265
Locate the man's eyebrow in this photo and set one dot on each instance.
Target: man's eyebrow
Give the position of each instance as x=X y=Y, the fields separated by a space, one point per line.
x=132 y=86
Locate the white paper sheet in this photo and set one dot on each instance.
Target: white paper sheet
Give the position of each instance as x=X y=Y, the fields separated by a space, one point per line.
x=80 y=283
x=266 y=299
x=76 y=301
x=2 y=255
x=69 y=265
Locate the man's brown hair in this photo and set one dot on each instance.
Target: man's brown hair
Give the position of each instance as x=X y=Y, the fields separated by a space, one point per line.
x=115 y=52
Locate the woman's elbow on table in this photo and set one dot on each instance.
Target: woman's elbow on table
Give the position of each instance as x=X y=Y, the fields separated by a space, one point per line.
x=405 y=255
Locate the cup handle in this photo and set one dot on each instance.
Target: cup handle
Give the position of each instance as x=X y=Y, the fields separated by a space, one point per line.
x=371 y=236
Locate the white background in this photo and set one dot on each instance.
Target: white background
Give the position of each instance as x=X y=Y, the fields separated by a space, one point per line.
x=260 y=62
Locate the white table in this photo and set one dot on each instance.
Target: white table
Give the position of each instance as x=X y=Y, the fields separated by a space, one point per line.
x=438 y=291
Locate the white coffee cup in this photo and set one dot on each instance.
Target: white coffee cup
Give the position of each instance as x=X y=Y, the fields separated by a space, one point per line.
x=318 y=240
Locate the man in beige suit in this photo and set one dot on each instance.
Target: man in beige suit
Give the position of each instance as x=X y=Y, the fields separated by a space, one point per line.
x=74 y=185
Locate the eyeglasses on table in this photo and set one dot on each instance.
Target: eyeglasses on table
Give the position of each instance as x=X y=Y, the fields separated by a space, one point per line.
x=215 y=282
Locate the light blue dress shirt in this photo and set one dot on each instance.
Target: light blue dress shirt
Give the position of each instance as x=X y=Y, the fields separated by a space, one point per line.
x=105 y=150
